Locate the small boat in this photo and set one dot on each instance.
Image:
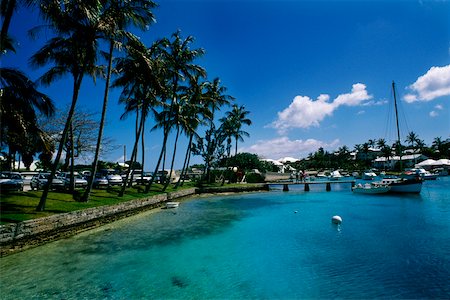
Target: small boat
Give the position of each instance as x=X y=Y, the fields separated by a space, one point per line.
x=335 y=175
x=172 y=204
x=371 y=188
x=369 y=175
x=424 y=174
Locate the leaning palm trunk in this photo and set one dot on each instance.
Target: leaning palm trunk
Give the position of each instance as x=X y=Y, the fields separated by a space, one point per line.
x=143 y=149
x=185 y=166
x=72 y=161
x=147 y=188
x=76 y=88
x=133 y=157
x=173 y=158
x=87 y=193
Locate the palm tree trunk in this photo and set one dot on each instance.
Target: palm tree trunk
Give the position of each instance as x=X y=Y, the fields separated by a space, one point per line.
x=10 y=6
x=76 y=88
x=143 y=148
x=147 y=188
x=173 y=158
x=87 y=193
x=72 y=161
x=187 y=165
x=133 y=158
x=183 y=170
x=235 y=151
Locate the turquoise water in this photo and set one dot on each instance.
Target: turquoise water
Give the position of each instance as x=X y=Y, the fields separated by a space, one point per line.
x=271 y=245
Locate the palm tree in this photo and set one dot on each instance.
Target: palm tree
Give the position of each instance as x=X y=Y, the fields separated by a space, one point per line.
x=20 y=100
x=238 y=117
x=381 y=143
x=194 y=113
x=116 y=16
x=179 y=58
x=73 y=52
x=411 y=138
x=216 y=98
x=141 y=73
x=19 y=103
x=372 y=143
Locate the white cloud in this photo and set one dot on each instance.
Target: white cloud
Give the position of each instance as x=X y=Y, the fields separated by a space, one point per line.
x=440 y=107
x=357 y=97
x=304 y=112
x=283 y=146
x=433 y=114
x=435 y=83
x=361 y=112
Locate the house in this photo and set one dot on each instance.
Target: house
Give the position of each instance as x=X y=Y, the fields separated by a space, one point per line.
x=408 y=161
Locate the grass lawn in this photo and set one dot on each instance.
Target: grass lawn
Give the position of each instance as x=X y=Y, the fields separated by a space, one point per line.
x=20 y=206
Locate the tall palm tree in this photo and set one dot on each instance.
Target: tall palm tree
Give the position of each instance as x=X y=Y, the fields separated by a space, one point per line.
x=141 y=76
x=238 y=117
x=73 y=52
x=216 y=98
x=115 y=17
x=194 y=113
x=179 y=59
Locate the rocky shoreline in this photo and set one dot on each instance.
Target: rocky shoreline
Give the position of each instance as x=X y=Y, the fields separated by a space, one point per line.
x=16 y=237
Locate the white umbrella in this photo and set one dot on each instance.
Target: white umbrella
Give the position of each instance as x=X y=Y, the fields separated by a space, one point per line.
x=428 y=162
x=443 y=162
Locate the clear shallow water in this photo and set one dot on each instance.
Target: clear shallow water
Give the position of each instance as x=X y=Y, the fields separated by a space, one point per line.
x=252 y=246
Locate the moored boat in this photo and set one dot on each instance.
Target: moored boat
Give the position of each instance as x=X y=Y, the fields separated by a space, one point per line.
x=403 y=185
x=172 y=204
x=335 y=175
x=408 y=182
x=368 y=175
x=371 y=188
x=424 y=174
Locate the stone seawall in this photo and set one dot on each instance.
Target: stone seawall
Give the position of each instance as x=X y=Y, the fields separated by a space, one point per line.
x=17 y=237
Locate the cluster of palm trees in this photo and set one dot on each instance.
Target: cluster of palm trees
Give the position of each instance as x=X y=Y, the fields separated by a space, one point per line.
x=161 y=81
x=342 y=158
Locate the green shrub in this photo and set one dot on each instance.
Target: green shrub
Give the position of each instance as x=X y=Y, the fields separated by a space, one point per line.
x=254 y=178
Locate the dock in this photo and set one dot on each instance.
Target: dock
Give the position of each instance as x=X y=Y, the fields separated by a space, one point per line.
x=306 y=184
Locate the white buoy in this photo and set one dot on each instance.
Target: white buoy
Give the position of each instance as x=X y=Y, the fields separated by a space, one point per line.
x=336 y=220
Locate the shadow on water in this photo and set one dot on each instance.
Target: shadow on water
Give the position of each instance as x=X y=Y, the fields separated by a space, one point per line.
x=192 y=220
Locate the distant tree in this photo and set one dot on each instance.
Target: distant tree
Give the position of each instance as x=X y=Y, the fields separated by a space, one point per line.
x=237 y=118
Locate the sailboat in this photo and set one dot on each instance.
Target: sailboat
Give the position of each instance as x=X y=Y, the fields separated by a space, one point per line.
x=409 y=182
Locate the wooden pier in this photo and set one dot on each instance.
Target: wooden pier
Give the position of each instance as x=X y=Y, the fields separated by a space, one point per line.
x=307 y=183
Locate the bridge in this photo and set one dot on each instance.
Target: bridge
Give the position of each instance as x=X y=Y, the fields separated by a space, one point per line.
x=307 y=183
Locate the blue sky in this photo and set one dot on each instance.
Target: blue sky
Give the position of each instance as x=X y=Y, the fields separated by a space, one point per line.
x=312 y=73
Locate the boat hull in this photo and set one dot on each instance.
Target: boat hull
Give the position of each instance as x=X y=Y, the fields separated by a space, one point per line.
x=406 y=188
x=372 y=190
x=403 y=185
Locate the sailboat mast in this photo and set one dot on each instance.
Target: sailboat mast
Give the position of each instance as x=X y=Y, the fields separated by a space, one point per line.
x=398 y=128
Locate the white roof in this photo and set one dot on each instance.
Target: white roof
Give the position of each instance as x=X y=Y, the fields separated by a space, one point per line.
x=275 y=162
x=428 y=162
x=432 y=162
x=443 y=161
x=288 y=159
